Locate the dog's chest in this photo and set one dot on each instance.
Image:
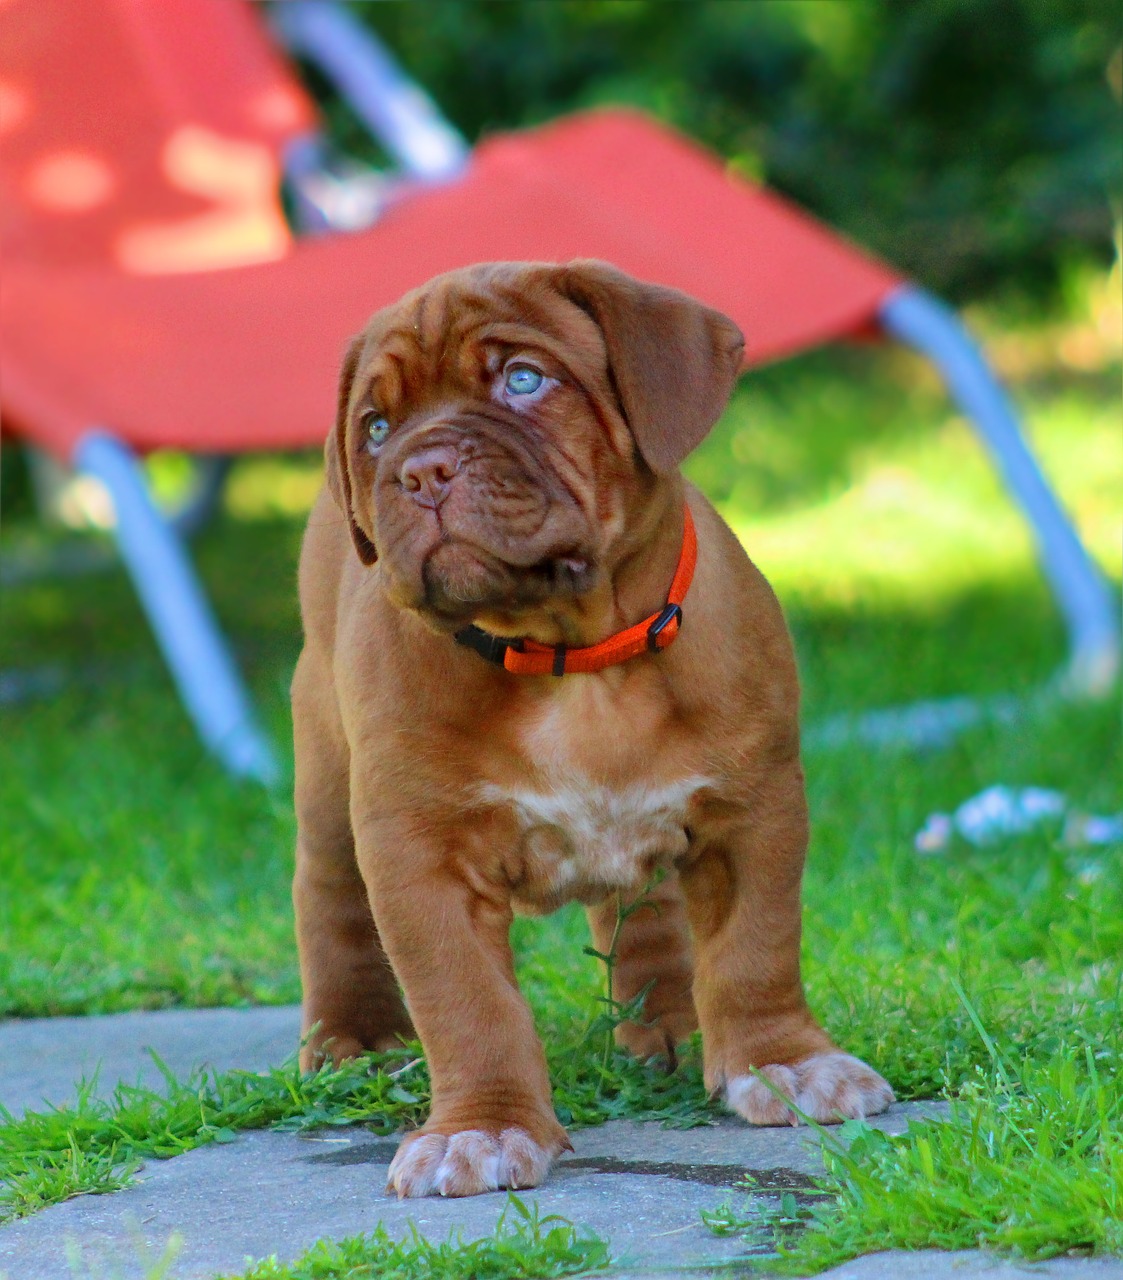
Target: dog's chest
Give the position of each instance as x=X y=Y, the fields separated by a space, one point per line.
x=598 y=806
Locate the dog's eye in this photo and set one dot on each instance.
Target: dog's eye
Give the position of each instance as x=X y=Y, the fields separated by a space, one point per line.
x=522 y=380
x=376 y=427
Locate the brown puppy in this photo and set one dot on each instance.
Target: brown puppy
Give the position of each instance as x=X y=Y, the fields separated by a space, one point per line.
x=506 y=456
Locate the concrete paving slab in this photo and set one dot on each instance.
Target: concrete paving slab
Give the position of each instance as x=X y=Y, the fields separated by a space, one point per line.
x=43 y=1059
x=638 y=1185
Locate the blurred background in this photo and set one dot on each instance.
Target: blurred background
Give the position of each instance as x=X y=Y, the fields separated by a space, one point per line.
x=976 y=146
x=973 y=144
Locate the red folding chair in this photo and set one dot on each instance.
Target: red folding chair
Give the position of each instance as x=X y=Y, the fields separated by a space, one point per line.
x=154 y=296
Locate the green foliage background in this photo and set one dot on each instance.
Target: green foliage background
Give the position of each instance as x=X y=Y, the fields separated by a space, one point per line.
x=973 y=143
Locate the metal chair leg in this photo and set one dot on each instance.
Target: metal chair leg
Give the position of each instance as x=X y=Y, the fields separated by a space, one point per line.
x=1090 y=610
x=396 y=110
x=185 y=627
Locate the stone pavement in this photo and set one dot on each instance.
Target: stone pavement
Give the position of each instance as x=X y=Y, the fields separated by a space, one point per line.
x=41 y=1059
x=640 y=1186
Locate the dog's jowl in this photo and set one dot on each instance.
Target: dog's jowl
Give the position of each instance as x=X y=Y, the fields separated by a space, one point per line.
x=538 y=667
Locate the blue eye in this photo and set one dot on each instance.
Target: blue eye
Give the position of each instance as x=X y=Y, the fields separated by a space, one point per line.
x=522 y=380
x=377 y=429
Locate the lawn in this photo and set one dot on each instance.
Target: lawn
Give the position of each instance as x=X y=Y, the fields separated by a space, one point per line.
x=135 y=875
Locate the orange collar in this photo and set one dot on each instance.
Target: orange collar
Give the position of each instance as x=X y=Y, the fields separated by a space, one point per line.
x=529 y=658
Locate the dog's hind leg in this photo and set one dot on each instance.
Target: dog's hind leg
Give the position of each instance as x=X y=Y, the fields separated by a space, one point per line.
x=652 y=947
x=351 y=998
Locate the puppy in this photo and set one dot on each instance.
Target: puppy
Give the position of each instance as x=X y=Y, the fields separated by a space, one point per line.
x=538 y=667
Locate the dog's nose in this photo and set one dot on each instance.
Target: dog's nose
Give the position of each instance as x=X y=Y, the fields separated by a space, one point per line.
x=427 y=476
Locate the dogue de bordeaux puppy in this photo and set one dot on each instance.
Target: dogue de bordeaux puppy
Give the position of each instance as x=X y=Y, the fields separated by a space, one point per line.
x=538 y=667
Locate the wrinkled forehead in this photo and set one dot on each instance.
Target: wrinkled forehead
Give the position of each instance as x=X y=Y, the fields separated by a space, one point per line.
x=462 y=325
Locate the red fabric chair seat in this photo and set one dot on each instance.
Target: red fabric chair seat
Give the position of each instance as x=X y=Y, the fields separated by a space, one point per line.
x=246 y=357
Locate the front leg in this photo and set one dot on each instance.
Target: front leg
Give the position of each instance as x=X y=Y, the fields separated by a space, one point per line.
x=743 y=896
x=445 y=929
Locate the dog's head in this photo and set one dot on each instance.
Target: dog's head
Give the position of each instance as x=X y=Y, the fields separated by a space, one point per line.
x=503 y=429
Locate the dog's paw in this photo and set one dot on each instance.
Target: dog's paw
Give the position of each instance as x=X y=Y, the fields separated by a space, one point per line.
x=828 y=1087
x=467 y=1163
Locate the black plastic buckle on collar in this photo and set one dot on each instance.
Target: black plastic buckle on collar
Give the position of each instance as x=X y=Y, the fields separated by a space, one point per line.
x=661 y=623
x=489 y=647
x=492 y=649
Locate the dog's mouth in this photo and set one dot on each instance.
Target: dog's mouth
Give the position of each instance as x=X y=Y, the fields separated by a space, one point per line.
x=461 y=581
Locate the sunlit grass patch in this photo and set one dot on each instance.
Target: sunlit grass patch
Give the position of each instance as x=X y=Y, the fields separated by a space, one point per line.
x=275 y=486
x=871 y=491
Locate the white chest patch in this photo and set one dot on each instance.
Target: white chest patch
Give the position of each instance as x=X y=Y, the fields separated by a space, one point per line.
x=580 y=840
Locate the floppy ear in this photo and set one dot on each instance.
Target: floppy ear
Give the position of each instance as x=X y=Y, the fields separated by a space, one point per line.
x=673 y=361
x=336 y=465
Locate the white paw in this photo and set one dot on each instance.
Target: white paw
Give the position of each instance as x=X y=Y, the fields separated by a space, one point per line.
x=828 y=1087
x=467 y=1163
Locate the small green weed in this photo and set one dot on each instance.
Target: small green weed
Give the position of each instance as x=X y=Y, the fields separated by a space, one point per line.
x=603 y=1027
x=32 y=1181
x=729 y=1219
x=767 y=1226
x=530 y=1247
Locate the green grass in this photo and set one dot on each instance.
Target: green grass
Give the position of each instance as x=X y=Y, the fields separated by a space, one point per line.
x=136 y=876
x=1030 y=1163
x=525 y=1245
x=528 y=1247
x=96 y=1145
x=93 y=1144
